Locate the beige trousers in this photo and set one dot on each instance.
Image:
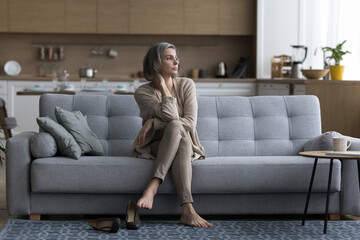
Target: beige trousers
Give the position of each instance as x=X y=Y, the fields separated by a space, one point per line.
x=174 y=150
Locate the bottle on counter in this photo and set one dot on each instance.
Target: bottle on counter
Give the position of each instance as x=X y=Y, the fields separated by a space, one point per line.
x=61 y=53
x=41 y=54
x=50 y=52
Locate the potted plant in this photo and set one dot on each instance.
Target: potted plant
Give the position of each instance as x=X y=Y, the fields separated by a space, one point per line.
x=337 y=54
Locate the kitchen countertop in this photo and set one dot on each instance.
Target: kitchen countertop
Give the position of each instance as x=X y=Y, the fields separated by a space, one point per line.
x=29 y=93
x=129 y=79
x=115 y=79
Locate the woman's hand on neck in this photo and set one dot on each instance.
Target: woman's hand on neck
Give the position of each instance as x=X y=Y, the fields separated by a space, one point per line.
x=164 y=85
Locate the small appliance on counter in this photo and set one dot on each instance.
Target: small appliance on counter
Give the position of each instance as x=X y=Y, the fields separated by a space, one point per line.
x=222 y=70
x=299 y=53
x=87 y=72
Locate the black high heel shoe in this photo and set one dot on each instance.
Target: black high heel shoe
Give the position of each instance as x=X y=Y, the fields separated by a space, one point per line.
x=132 y=216
x=106 y=225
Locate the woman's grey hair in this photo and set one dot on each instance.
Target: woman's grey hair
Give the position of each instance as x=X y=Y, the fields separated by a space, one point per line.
x=152 y=60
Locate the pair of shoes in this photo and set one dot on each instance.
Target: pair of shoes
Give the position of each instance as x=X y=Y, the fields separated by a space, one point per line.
x=132 y=216
x=106 y=225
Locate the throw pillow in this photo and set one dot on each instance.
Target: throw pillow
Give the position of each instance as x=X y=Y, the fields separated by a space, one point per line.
x=43 y=145
x=66 y=143
x=76 y=124
x=321 y=142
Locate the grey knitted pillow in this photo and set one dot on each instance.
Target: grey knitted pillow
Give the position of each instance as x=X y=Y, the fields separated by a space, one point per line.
x=321 y=142
x=43 y=145
x=76 y=124
x=67 y=145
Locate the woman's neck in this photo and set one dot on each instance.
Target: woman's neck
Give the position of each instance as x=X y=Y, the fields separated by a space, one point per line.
x=168 y=83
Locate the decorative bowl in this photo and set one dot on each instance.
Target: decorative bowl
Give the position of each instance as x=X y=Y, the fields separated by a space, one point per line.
x=314 y=73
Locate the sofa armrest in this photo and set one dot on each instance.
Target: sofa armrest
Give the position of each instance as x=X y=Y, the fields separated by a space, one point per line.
x=18 y=162
x=350 y=197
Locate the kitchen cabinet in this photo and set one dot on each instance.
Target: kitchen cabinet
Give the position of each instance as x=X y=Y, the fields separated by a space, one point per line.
x=201 y=16
x=24 y=108
x=156 y=17
x=237 y=17
x=299 y=89
x=36 y=16
x=113 y=16
x=225 y=88
x=280 y=89
x=340 y=105
x=195 y=17
x=3 y=15
x=80 y=16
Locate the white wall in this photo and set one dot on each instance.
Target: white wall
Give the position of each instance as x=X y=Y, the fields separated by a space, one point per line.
x=313 y=23
x=278 y=27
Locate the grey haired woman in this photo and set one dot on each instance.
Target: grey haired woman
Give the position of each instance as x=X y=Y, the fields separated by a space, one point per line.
x=168 y=107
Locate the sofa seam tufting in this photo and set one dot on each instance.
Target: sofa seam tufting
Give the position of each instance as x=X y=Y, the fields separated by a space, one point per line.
x=255 y=140
x=290 y=150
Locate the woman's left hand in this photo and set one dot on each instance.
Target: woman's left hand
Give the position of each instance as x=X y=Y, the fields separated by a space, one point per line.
x=140 y=139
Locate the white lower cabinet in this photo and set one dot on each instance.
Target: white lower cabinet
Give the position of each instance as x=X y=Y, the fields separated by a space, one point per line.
x=225 y=89
x=25 y=108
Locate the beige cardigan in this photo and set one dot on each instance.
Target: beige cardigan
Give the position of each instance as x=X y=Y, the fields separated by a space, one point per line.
x=182 y=106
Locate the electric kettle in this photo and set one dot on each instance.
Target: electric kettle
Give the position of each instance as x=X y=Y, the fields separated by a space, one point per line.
x=299 y=53
x=222 y=70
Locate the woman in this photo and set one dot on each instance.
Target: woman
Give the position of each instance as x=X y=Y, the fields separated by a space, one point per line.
x=168 y=107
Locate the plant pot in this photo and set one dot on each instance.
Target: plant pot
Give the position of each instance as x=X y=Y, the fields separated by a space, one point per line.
x=336 y=72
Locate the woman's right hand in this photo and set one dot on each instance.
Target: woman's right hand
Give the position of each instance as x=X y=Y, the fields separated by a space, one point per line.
x=140 y=139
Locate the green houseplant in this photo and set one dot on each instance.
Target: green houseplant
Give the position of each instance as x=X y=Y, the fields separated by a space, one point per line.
x=337 y=54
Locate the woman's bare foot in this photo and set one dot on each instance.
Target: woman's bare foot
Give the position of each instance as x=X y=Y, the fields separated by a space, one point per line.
x=191 y=218
x=146 y=201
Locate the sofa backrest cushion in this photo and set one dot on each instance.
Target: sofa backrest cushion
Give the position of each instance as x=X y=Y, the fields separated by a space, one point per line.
x=227 y=126
x=257 y=126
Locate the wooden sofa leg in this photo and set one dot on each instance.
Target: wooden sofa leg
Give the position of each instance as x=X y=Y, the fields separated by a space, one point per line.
x=335 y=216
x=35 y=217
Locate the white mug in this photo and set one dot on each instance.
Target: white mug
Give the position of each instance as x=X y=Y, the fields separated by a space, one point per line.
x=341 y=144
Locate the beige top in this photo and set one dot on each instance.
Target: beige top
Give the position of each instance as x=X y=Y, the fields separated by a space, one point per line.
x=181 y=106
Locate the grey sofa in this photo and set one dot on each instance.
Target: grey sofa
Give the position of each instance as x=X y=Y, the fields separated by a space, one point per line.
x=252 y=164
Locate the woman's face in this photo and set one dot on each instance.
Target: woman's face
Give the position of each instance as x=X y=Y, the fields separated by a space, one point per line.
x=170 y=63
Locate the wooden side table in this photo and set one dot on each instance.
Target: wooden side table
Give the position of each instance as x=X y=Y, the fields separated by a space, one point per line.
x=322 y=154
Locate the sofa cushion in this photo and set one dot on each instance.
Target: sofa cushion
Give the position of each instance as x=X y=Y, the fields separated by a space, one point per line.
x=66 y=144
x=42 y=145
x=219 y=175
x=240 y=126
x=76 y=124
